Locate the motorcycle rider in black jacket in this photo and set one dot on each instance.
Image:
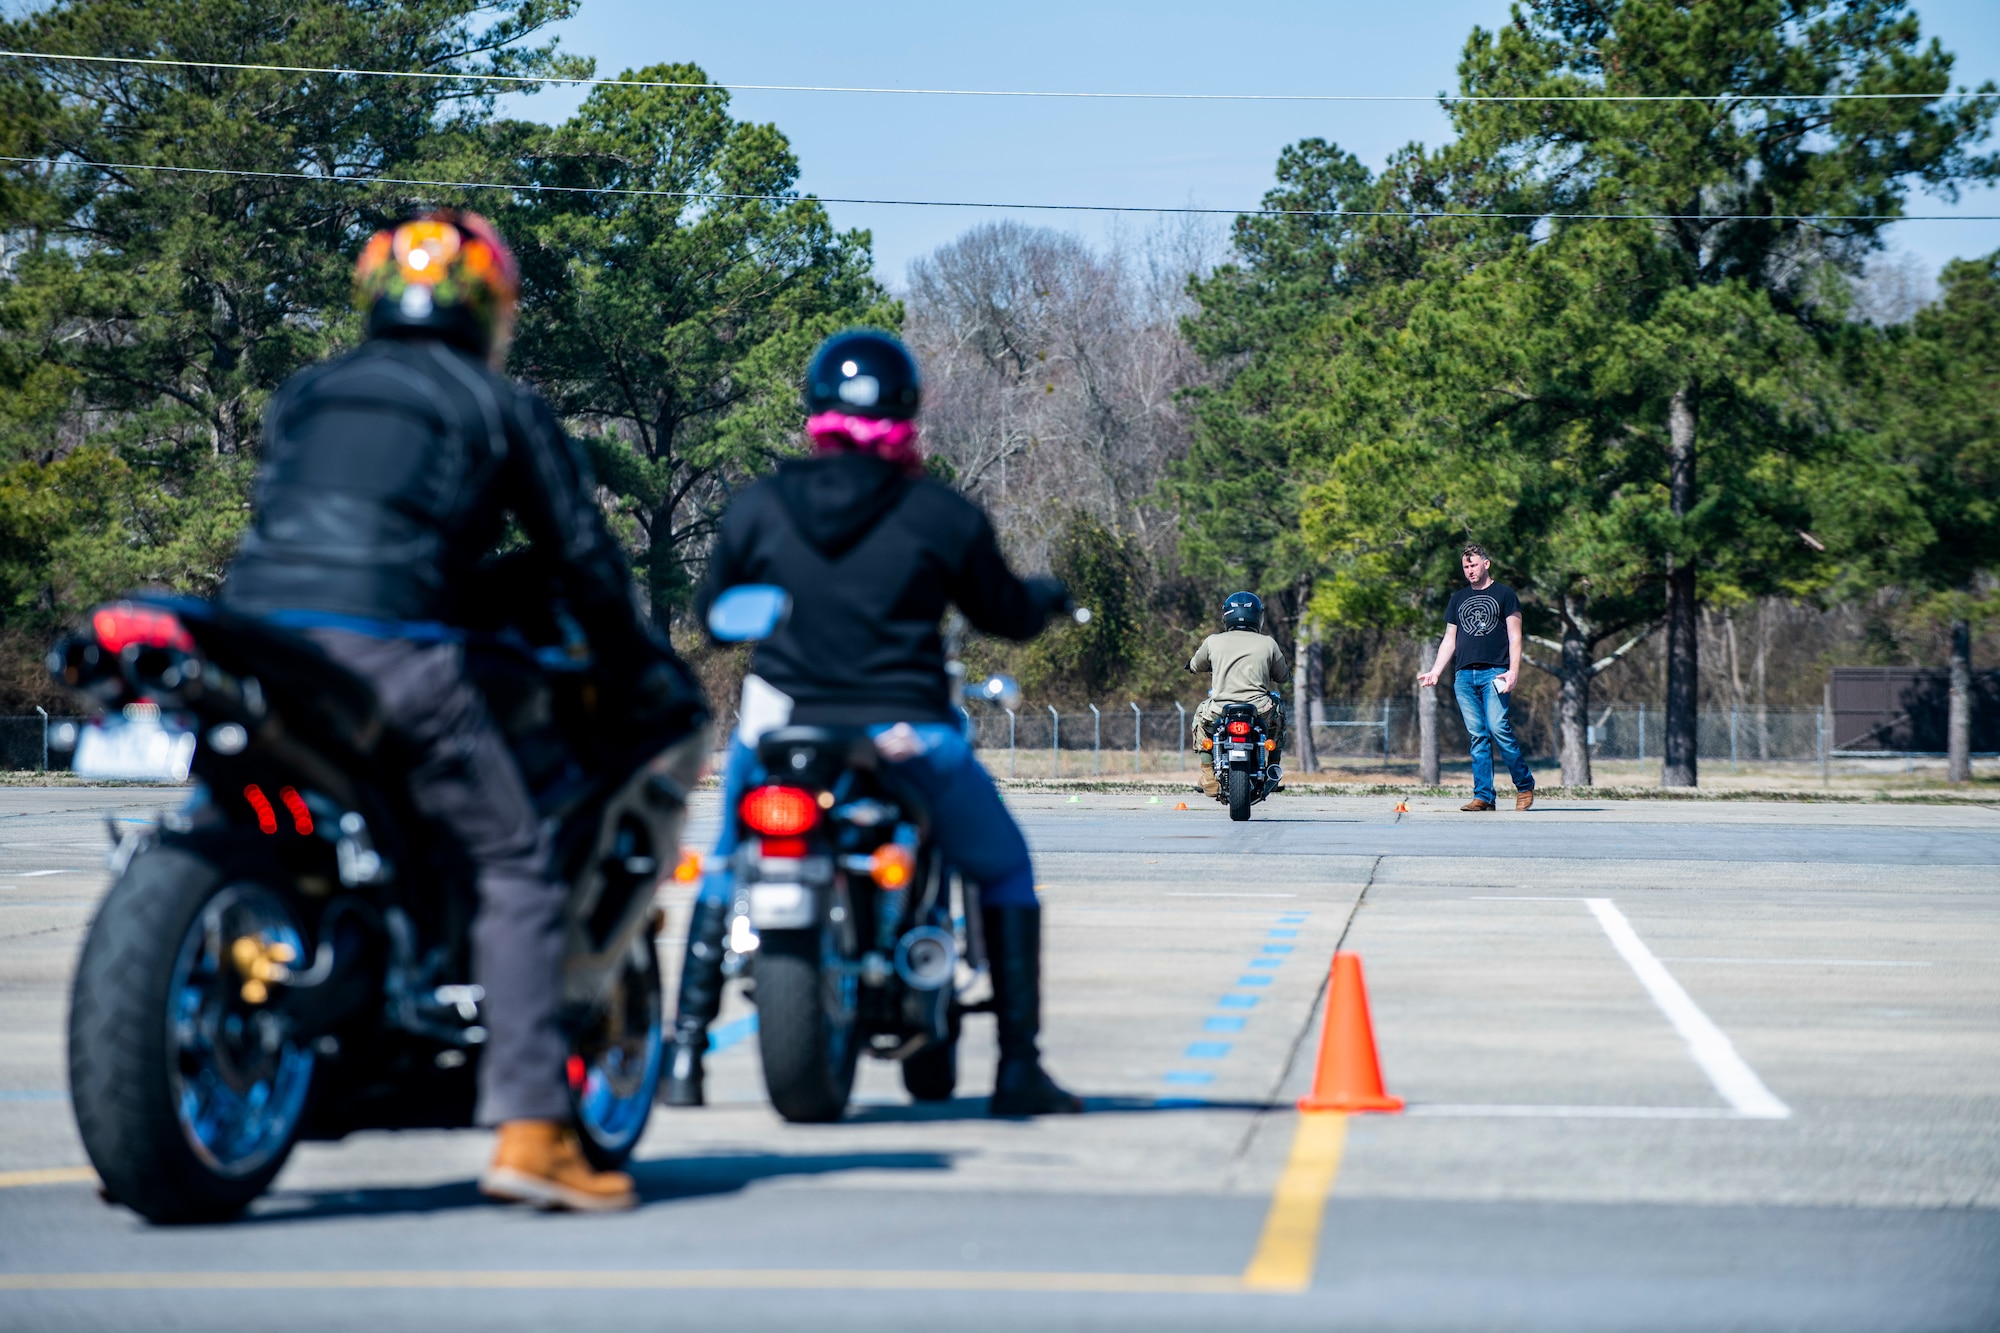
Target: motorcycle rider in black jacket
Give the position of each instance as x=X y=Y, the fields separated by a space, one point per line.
x=872 y=552
x=387 y=474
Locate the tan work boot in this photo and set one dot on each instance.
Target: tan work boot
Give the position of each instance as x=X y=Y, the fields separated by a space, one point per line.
x=1209 y=786
x=1524 y=799
x=1477 y=805
x=539 y=1162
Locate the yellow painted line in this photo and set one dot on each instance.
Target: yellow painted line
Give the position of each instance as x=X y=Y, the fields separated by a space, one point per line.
x=51 y=1175
x=769 y=1279
x=1290 y=1244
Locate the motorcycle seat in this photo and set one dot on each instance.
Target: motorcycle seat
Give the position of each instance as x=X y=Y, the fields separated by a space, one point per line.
x=818 y=750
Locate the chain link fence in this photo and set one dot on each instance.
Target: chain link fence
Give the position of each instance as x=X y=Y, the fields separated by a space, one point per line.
x=24 y=742
x=1120 y=739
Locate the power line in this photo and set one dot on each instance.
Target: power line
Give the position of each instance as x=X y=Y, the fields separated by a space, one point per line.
x=723 y=196
x=1010 y=92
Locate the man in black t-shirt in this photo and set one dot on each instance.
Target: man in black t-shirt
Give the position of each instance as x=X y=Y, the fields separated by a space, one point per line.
x=1482 y=627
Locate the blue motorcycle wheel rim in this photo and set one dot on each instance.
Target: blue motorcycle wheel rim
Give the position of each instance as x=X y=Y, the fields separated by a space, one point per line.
x=237 y=1080
x=614 y=1096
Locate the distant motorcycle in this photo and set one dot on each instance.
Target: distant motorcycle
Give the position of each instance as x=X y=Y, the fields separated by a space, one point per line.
x=1244 y=757
x=287 y=956
x=855 y=933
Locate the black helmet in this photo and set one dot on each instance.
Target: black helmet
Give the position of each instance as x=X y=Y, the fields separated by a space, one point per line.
x=863 y=373
x=1242 y=610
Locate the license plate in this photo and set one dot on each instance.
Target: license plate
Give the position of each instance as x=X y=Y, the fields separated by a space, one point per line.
x=1239 y=754
x=141 y=750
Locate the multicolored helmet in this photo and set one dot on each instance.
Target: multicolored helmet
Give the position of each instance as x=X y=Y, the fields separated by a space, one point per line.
x=446 y=274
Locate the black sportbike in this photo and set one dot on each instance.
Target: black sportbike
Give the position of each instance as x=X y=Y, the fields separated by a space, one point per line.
x=287 y=955
x=1245 y=759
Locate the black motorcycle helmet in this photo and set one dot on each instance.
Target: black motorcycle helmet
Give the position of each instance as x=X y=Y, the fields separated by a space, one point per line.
x=864 y=373
x=1243 y=610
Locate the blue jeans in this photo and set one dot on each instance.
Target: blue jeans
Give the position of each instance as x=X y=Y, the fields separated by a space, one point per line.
x=969 y=823
x=1485 y=712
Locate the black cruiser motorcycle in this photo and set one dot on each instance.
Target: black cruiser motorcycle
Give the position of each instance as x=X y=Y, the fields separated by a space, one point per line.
x=287 y=955
x=1245 y=759
x=857 y=936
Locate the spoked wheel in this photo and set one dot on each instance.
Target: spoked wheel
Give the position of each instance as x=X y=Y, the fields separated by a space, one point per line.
x=806 y=1002
x=1239 y=794
x=614 y=1066
x=188 y=1088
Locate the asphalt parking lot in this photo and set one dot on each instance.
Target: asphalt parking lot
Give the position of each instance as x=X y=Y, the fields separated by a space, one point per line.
x=1799 y=1127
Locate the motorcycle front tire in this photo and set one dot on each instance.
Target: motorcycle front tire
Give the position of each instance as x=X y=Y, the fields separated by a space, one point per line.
x=1240 y=786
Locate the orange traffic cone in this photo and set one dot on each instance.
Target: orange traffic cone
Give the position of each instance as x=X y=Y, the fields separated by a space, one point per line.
x=1349 y=1077
x=1402 y=807
x=1180 y=805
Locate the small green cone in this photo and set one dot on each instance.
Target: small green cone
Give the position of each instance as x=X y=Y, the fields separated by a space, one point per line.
x=1072 y=800
x=1152 y=800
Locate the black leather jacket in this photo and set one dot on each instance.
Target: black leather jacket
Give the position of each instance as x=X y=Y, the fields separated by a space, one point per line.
x=389 y=473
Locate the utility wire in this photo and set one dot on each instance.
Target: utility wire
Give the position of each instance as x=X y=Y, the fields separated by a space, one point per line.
x=703 y=195
x=1453 y=98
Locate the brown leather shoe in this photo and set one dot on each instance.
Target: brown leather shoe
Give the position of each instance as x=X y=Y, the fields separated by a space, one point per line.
x=539 y=1162
x=1477 y=805
x=1524 y=799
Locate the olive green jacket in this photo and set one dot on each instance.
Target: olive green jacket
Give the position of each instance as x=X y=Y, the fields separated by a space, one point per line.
x=1244 y=665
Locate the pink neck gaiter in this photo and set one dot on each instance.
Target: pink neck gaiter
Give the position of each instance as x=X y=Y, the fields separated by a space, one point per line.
x=892 y=441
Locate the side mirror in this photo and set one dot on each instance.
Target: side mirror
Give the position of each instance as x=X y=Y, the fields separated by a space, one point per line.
x=748 y=613
x=1002 y=690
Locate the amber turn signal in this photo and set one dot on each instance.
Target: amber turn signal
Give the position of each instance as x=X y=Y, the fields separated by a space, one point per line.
x=892 y=865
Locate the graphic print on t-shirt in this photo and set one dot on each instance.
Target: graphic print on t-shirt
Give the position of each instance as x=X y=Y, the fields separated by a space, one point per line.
x=1478 y=615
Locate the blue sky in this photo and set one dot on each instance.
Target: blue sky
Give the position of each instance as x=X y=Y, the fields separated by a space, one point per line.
x=1214 y=154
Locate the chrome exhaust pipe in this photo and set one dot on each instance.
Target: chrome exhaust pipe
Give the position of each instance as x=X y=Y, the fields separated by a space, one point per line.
x=926 y=958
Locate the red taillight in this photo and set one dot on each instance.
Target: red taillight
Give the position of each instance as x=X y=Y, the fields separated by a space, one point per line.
x=121 y=624
x=267 y=818
x=302 y=819
x=783 y=847
x=783 y=811
x=1239 y=728
x=577 y=1071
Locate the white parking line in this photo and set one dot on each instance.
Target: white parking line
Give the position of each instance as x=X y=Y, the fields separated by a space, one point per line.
x=1801 y=962
x=1510 y=1111
x=1708 y=1044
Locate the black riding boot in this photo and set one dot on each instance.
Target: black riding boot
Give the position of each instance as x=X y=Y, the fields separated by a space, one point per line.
x=701 y=999
x=1014 y=950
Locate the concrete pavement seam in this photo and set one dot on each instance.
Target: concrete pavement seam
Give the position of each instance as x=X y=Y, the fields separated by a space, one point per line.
x=1271 y=1099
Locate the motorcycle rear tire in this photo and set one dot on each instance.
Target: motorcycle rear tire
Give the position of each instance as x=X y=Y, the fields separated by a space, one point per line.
x=931 y=1075
x=1239 y=795
x=808 y=1057
x=121 y=1072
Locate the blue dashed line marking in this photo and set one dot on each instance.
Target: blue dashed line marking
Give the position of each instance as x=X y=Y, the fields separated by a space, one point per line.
x=1270 y=958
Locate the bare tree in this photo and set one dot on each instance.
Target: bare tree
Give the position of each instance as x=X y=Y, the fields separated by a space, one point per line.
x=1053 y=372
